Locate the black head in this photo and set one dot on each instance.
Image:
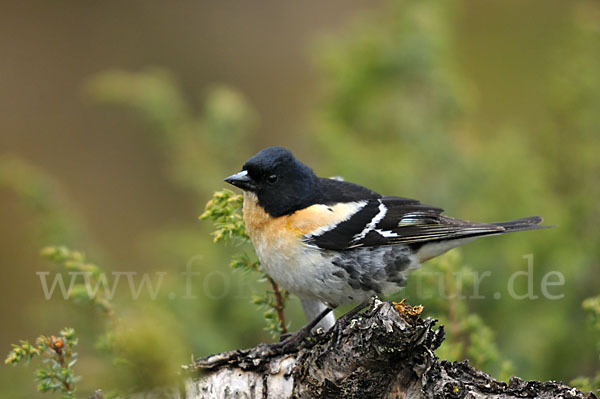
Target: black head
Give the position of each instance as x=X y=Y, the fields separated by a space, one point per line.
x=281 y=183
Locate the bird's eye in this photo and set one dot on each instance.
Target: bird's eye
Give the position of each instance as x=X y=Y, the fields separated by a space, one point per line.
x=272 y=179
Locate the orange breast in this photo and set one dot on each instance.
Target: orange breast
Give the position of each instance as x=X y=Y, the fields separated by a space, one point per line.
x=261 y=226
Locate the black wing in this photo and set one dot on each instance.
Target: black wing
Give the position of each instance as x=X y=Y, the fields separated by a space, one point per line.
x=396 y=220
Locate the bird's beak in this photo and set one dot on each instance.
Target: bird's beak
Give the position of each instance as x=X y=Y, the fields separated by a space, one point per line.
x=242 y=180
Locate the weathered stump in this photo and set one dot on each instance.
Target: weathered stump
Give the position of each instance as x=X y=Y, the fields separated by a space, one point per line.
x=386 y=352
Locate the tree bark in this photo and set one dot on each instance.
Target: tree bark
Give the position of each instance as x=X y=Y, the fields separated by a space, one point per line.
x=386 y=352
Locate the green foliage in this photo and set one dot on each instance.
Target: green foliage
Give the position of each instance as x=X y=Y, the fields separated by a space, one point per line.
x=55 y=373
x=586 y=384
x=592 y=306
x=88 y=289
x=447 y=282
x=273 y=303
x=243 y=262
x=146 y=350
x=58 y=354
x=24 y=351
x=136 y=344
x=224 y=209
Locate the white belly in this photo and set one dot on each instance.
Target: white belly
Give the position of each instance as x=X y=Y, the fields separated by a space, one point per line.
x=333 y=277
x=309 y=274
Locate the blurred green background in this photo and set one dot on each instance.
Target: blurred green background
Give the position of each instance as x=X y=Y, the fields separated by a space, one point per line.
x=119 y=119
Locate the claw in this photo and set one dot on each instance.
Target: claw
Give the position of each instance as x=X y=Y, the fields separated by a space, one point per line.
x=290 y=342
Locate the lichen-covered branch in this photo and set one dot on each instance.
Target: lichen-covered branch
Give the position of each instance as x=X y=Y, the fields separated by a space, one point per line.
x=386 y=352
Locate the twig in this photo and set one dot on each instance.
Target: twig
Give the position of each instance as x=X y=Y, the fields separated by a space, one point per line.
x=57 y=345
x=279 y=305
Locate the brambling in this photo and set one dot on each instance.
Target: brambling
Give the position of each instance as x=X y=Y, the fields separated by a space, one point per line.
x=335 y=242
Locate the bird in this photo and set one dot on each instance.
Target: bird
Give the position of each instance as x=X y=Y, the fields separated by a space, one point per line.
x=332 y=242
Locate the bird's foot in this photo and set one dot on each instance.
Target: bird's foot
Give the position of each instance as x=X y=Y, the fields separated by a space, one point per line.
x=291 y=342
x=286 y=335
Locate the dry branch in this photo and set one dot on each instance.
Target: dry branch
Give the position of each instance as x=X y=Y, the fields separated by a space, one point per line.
x=383 y=353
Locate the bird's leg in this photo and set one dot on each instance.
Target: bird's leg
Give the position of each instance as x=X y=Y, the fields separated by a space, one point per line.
x=308 y=327
x=292 y=340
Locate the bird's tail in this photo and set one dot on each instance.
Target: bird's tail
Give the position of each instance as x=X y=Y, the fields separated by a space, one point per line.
x=427 y=252
x=528 y=223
